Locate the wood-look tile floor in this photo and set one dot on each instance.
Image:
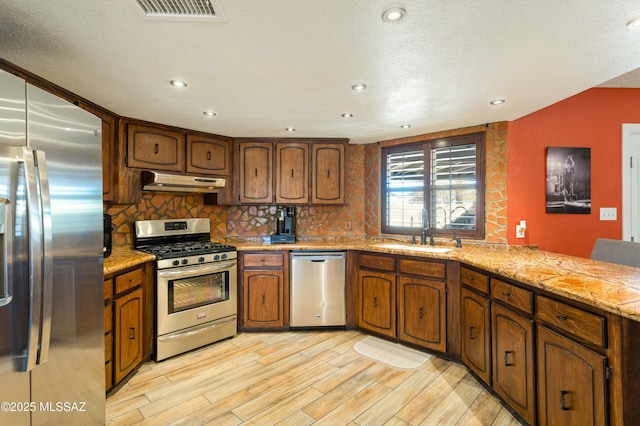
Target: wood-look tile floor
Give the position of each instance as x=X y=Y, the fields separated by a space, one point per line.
x=300 y=378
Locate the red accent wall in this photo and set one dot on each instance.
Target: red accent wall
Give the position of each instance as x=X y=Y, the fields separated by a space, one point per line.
x=591 y=119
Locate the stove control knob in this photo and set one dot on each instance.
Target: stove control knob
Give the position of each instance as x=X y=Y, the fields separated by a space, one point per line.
x=175 y=262
x=216 y=257
x=201 y=259
x=185 y=261
x=224 y=255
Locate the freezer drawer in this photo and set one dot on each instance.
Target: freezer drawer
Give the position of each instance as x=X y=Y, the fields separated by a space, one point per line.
x=317 y=294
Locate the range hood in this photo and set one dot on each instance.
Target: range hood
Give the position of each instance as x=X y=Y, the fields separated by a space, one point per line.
x=154 y=181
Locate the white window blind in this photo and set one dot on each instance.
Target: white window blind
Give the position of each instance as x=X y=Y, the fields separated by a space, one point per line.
x=453 y=187
x=405 y=180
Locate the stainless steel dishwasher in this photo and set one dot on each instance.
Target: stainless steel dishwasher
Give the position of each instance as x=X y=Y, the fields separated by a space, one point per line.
x=317 y=289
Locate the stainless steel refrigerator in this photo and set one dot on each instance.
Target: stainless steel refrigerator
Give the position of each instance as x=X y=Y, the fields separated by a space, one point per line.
x=51 y=282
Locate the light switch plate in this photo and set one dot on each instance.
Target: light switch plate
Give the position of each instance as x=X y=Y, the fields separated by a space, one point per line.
x=608 y=213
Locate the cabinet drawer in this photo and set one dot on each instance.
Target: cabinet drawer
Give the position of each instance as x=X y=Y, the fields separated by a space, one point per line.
x=108 y=289
x=474 y=279
x=108 y=317
x=585 y=325
x=256 y=260
x=422 y=267
x=383 y=263
x=517 y=297
x=129 y=280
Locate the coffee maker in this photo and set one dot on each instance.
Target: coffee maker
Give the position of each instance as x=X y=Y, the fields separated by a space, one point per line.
x=285 y=226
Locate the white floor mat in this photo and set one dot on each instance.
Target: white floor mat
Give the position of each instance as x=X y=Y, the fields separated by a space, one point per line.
x=392 y=354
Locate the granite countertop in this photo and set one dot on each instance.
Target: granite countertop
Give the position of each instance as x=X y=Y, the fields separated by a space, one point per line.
x=610 y=287
x=123 y=257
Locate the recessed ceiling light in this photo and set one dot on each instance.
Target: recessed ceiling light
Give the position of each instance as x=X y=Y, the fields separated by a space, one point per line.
x=290 y=129
x=393 y=14
x=359 y=87
x=178 y=83
x=405 y=126
x=634 y=23
x=347 y=115
x=209 y=113
x=497 y=102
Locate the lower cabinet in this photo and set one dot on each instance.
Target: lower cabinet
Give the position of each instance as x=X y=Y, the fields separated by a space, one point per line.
x=476 y=333
x=263 y=298
x=571 y=382
x=405 y=298
x=377 y=302
x=513 y=373
x=126 y=344
x=264 y=289
x=546 y=357
x=422 y=313
x=128 y=311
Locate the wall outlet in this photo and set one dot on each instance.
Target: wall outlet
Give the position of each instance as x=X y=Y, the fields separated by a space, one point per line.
x=608 y=213
x=347 y=224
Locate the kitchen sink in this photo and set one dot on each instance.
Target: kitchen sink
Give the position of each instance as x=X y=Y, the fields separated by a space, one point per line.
x=416 y=247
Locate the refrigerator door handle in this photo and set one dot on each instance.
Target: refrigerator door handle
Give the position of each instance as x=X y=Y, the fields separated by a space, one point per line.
x=35 y=250
x=6 y=235
x=47 y=256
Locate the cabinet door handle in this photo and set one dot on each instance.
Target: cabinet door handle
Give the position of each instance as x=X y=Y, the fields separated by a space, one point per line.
x=420 y=313
x=561 y=317
x=471 y=335
x=375 y=302
x=291 y=172
x=329 y=173
x=506 y=358
x=506 y=294
x=156 y=148
x=132 y=333
x=208 y=155
x=256 y=172
x=563 y=400
x=263 y=299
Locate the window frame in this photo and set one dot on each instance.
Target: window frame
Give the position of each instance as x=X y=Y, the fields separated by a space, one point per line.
x=426 y=145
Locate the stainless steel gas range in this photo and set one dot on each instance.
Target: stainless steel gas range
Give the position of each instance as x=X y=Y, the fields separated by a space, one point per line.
x=196 y=284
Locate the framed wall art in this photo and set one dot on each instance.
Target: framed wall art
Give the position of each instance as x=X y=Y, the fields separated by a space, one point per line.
x=568 y=180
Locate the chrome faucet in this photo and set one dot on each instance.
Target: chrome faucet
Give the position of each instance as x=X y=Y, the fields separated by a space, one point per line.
x=425 y=229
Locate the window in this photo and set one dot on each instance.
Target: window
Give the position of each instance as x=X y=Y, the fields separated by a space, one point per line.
x=438 y=182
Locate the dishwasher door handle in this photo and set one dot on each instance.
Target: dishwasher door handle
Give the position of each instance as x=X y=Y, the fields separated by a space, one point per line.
x=318 y=260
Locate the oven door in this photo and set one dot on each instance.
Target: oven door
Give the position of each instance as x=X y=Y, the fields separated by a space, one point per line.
x=193 y=295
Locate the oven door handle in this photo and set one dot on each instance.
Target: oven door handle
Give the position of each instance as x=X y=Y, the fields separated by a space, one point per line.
x=197 y=270
x=197 y=330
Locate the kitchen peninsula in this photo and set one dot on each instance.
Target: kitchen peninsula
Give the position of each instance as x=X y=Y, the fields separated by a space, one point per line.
x=579 y=308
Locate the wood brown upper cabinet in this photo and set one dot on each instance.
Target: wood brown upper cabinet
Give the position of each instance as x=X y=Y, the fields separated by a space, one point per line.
x=208 y=155
x=155 y=148
x=292 y=173
x=328 y=173
x=256 y=172
x=109 y=169
x=285 y=172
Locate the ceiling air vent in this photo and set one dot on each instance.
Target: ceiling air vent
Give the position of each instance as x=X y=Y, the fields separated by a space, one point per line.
x=181 y=9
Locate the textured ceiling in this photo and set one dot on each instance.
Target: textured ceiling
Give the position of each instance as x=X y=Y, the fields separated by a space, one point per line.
x=291 y=63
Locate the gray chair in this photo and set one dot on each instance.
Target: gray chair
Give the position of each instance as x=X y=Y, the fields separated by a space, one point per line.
x=617 y=251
